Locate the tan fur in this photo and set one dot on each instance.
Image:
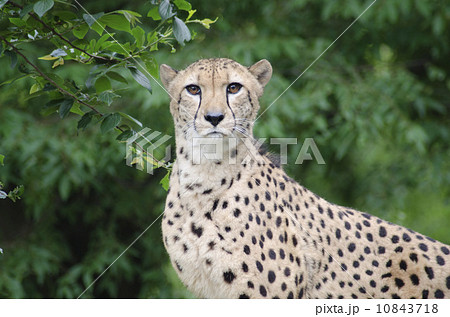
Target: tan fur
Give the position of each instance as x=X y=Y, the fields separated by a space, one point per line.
x=247 y=230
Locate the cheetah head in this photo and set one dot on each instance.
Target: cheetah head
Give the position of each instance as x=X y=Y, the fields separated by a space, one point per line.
x=215 y=97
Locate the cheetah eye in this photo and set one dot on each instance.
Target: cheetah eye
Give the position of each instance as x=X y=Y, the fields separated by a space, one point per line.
x=234 y=88
x=193 y=89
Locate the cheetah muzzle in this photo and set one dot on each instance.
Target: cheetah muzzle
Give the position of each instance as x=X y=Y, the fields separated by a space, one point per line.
x=236 y=226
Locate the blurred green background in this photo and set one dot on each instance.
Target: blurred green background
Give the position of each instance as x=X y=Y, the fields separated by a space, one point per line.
x=377 y=105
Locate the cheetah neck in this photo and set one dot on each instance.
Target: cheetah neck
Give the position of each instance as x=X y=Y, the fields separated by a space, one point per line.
x=213 y=160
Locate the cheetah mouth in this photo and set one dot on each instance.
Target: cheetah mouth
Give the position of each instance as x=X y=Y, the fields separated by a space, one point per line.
x=216 y=133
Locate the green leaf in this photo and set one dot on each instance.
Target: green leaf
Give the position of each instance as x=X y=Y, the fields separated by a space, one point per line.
x=183 y=5
x=102 y=40
x=127 y=116
x=206 y=22
x=42 y=6
x=107 y=96
x=165 y=181
x=117 y=77
x=165 y=10
x=181 y=31
x=98 y=27
x=125 y=135
x=150 y=64
x=117 y=22
x=119 y=48
x=3 y=2
x=17 y=22
x=139 y=35
x=84 y=121
x=16 y=193
x=49 y=110
x=11 y=80
x=64 y=108
x=122 y=49
x=191 y=13
x=140 y=78
x=154 y=14
x=131 y=16
x=35 y=88
x=2 y=157
x=76 y=109
x=48 y=58
x=80 y=31
x=109 y=122
x=102 y=84
x=26 y=9
x=91 y=18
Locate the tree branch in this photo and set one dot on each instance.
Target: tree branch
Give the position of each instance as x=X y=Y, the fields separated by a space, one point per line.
x=62 y=90
x=68 y=93
x=34 y=16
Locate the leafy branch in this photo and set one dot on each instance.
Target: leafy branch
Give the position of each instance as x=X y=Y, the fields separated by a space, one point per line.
x=53 y=31
x=88 y=39
x=13 y=194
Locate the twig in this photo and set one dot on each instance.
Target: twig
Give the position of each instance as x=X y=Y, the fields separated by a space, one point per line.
x=65 y=92
x=62 y=90
x=58 y=34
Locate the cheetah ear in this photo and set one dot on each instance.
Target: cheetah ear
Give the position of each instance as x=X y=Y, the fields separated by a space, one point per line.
x=262 y=70
x=167 y=74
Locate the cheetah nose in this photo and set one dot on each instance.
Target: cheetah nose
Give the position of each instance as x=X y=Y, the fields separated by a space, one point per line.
x=214 y=118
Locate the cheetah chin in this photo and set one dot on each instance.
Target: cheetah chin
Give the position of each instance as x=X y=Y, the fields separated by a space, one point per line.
x=236 y=226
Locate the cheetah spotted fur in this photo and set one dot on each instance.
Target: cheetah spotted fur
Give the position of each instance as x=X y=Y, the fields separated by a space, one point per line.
x=247 y=230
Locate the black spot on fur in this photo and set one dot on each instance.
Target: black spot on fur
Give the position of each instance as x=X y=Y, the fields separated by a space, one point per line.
x=198 y=231
x=259 y=266
x=439 y=294
x=262 y=291
x=429 y=272
x=406 y=237
x=403 y=265
x=271 y=276
x=330 y=213
x=414 y=279
x=423 y=247
x=272 y=254
x=399 y=283
x=228 y=276
x=395 y=239
x=351 y=247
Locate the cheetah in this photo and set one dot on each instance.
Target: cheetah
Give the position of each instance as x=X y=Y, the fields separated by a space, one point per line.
x=236 y=226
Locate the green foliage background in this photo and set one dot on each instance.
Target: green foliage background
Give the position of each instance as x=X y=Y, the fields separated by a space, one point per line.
x=376 y=104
